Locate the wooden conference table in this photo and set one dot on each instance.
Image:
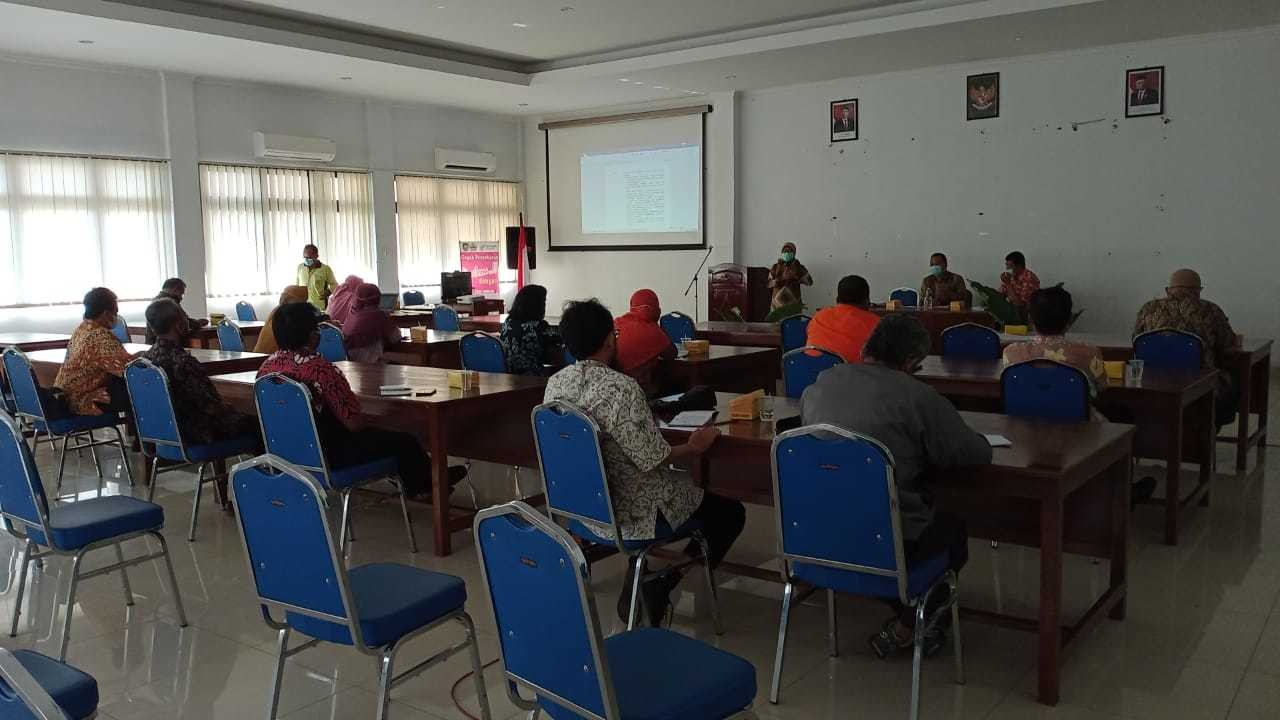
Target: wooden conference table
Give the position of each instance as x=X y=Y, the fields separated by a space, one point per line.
x=207 y=336
x=439 y=349
x=27 y=342
x=728 y=368
x=770 y=335
x=47 y=362
x=449 y=422
x=1172 y=409
x=1059 y=487
x=1249 y=364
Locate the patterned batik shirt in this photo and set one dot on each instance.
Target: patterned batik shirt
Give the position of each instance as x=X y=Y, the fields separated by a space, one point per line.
x=945 y=289
x=640 y=484
x=526 y=345
x=1193 y=315
x=1084 y=357
x=202 y=415
x=94 y=355
x=1019 y=288
x=329 y=387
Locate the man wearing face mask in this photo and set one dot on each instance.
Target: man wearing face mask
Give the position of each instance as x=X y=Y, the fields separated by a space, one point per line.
x=942 y=285
x=650 y=500
x=316 y=277
x=174 y=289
x=785 y=278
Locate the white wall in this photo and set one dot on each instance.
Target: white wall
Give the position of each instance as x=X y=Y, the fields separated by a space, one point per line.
x=50 y=107
x=612 y=276
x=1110 y=209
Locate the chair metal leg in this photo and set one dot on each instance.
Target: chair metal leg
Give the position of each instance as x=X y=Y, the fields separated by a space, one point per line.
x=638 y=569
x=277 y=675
x=344 y=529
x=477 y=667
x=787 y=593
x=71 y=604
x=917 y=657
x=833 y=641
x=24 y=559
x=515 y=476
x=62 y=462
x=408 y=523
x=124 y=577
x=711 y=584
x=195 y=503
x=384 y=681
x=173 y=579
x=955 y=627
x=124 y=455
x=93 y=453
x=152 y=476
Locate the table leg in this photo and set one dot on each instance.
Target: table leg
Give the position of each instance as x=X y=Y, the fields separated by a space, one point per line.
x=439 y=487
x=1121 y=477
x=1261 y=381
x=1173 y=470
x=1209 y=460
x=1245 y=377
x=1051 y=521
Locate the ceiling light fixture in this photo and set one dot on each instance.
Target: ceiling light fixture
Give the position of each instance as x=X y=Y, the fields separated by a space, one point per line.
x=623 y=80
x=523 y=104
x=659 y=87
x=85 y=42
x=519 y=25
x=345 y=77
x=567 y=8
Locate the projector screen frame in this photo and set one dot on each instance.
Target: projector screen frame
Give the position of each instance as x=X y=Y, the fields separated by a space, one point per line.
x=547 y=127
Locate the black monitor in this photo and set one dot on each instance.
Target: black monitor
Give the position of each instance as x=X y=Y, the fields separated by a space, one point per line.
x=387 y=301
x=454 y=285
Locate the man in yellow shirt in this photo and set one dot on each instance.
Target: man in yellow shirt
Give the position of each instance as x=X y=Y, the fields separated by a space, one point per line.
x=316 y=277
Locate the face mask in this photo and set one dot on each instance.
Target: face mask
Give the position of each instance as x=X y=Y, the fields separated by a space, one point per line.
x=788 y=257
x=309 y=262
x=935 y=270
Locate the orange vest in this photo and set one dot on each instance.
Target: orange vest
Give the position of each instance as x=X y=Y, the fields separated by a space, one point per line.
x=842 y=329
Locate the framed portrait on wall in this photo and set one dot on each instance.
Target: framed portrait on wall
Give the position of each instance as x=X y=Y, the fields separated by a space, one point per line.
x=982 y=96
x=1144 y=92
x=844 y=120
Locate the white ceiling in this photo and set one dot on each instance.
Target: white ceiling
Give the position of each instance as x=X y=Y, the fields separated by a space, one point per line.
x=699 y=46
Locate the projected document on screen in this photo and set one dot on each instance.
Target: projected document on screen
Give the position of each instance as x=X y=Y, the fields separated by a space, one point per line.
x=630 y=185
x=654 y=190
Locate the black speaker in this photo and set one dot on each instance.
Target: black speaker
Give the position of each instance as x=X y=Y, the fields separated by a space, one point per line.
x=513 y=245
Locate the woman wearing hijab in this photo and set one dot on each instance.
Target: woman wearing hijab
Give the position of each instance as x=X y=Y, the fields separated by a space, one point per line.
x=341 y=300
x=785 y=278
x=642 y=344
x=368 y=329
x=267 y=338
x=526 y=337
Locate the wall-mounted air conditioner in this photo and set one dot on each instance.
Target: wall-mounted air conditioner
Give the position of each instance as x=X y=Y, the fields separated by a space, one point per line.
x=274 y=146
x=464 y=161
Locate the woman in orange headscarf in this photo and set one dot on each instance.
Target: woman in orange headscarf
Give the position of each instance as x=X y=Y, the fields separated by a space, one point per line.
x=642 y=344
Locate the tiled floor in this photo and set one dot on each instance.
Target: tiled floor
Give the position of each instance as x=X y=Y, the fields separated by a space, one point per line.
x=1202 y=638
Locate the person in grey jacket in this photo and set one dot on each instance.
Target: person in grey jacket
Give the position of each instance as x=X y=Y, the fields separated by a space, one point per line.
x=922 y=430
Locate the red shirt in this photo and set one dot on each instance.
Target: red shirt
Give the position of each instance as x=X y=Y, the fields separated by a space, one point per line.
x=842 y=329
x=329 y=387
x=1019 y=288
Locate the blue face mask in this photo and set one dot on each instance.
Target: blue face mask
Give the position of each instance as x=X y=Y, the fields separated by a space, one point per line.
x=788 y=257
x=309 y=262
x=935 y=270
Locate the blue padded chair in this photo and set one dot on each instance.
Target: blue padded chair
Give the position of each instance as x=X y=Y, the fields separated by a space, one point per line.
x=577 y=491
x=29 y=406
x=121 y=330
x=545 y=608
x=678 y=326
x=444 y=317
x=795 y=332
x=245 y=312
x=971 y=341
x=906 y=296
x=229 y=337
x=839 y=530
x=802 y=366
x=37 y=687
x=158 y=425
x=6 y=392
x=298 y=572
x=482 y=352
x=289 y=432
x=331 y=346
x=71 y=529
x=569 y=359
x=1045 y=389
x=413 y=297
x=1169 y=349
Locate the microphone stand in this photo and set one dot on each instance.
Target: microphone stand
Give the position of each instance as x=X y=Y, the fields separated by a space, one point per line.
x=693 y=284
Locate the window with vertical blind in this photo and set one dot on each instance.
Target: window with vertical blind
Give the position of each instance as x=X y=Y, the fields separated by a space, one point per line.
x=68 y=224
x=434 y=215
x=257 y=220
